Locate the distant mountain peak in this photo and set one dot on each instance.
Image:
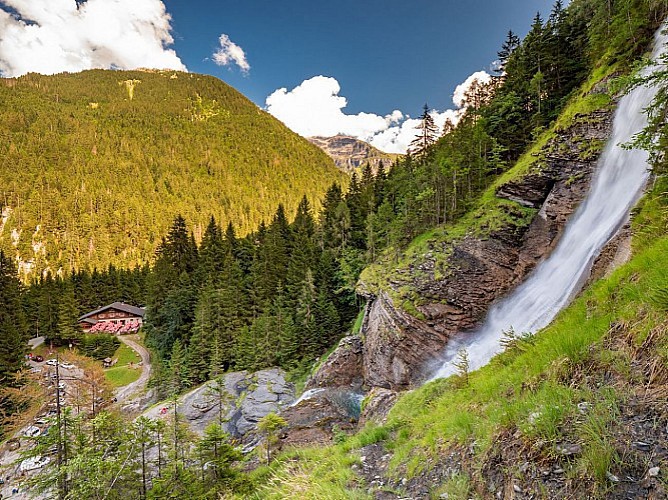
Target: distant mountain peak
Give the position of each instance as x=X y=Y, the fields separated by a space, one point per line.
x=350 y=154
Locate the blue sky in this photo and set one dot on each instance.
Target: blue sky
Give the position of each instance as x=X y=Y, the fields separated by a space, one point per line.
x=386 y=54
x=361 y=68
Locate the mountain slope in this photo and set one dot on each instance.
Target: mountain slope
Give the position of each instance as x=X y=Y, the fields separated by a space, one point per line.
x=351 y=154
x=95 y=165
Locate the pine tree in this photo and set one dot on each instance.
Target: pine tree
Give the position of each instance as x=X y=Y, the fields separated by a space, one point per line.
x=178 y=367
x=428 y=133
x=13 y=328
x=68 y=326
x=511 y=43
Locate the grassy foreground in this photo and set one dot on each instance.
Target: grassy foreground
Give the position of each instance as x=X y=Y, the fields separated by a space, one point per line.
x=571 y=383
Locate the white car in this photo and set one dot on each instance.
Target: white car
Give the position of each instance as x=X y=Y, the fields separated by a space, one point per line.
x=52 y=362
x=67 y=366
x=34 y=463
x=32 y=432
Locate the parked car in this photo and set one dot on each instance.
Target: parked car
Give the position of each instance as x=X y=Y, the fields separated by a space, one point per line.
x=34 y=463
x=67 y=366
x=38 y=358
x=32 y=431
x=52 y=362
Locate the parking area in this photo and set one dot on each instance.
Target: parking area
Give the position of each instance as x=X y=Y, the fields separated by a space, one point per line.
x=71 y=392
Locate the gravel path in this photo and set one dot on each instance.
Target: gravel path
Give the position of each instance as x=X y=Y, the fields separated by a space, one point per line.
x=123 y=393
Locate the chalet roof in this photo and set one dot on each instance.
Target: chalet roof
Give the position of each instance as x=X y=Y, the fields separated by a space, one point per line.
x=120 y=306
x=90 y=321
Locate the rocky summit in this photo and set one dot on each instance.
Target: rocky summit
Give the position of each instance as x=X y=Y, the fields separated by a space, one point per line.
x=351 y=154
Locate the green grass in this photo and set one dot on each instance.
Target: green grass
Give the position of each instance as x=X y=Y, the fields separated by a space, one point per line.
x=358 y=323
x=125 y=355
x=530 y=392
x=122 y=375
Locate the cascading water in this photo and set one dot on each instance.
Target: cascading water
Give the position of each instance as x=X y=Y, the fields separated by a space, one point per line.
x=620 y=177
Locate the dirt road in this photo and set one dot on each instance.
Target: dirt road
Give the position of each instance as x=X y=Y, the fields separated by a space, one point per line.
x=123 y=393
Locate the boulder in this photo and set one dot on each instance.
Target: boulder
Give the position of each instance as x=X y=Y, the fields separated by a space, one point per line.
x=245 y=399
x=377 y=404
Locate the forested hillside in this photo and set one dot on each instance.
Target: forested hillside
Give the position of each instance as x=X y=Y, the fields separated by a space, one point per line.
x=94 y=166
x=577 y=411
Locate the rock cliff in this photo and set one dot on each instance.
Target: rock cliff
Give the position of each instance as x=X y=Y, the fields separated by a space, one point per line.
x=350 y=154
x=453 y=284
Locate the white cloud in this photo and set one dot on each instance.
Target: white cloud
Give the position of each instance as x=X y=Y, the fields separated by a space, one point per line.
x=315 y=108
x=459 y=96
x=396 y=139
x=51 y=36
x=230 y=53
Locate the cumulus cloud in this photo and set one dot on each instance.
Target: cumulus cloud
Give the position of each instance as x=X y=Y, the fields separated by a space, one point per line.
x=315 y=108
x=397 y=138
x=51 y=36
x=459 y=96
x=230 y=53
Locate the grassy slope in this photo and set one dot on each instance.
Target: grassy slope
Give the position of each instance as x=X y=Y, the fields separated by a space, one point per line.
x=599 y=350
x=121 y=374
x=103 y=175
x=537 y=378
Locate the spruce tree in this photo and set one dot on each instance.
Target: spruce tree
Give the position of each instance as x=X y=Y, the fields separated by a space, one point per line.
x=427 y=134
x=13 y=328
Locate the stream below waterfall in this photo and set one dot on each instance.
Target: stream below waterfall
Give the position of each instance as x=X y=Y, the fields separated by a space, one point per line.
x=618 y=182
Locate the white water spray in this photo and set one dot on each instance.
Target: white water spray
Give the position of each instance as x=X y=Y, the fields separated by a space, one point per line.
x=620 y=177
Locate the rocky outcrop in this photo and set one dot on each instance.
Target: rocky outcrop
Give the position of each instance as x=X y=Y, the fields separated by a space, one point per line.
x=377 y=405
x=479 y=269
x=349 y=153
x=343 y=368
x=320 y=417
x=242 y=399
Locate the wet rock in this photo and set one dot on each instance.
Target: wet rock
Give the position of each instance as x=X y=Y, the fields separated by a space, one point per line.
x=320 y=418
x=377 y=404
x=343 y=368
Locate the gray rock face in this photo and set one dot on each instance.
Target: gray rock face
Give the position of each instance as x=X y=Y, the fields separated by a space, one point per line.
x=343 y=368
x=350 y=153
x=318 y=418
x=378 y=404
x=399 y=347
x=244 y=400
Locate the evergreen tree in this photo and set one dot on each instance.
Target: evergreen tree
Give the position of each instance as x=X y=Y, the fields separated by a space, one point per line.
x=13 y=339
x=68 y=326
x=428 y=133
x=511 y=43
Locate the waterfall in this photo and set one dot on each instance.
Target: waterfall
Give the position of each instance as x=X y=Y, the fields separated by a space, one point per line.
x=618 y=182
